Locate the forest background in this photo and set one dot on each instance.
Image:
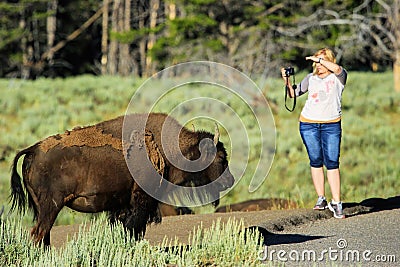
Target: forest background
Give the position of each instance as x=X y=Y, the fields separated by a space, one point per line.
x=67 y=63
x=59 y=38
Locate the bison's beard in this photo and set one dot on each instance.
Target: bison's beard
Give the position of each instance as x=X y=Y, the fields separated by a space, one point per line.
x=194 y=196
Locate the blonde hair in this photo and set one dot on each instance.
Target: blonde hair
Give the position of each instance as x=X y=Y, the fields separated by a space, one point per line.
x=328 y=56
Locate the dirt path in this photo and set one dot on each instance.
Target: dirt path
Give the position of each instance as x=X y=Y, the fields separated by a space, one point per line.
x=267 y=220
x=181 y=226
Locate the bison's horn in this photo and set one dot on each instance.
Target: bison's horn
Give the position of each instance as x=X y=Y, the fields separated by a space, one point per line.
x=216 y=135
x=194 y=128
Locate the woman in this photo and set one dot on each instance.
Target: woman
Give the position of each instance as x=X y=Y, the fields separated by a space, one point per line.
x=320 y=124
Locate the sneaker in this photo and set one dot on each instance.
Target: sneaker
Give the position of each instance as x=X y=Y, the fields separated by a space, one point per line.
x=336 y=209
x=321 y=203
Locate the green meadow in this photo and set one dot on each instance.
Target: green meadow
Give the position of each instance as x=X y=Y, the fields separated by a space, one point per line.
x=33 y=110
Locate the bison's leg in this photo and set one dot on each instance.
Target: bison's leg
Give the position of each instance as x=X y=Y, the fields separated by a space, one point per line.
x=45 y=221
x=48 y=208
x=134 y=220
x=143 y=210
x=134 y=224
x=138 y=231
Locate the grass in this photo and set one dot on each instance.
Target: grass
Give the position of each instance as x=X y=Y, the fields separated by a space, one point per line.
x=102 y=245
x=33 y=110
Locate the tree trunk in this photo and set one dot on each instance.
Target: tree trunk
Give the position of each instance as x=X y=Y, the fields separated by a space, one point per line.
x=135 y=58
x=396 y=28
x=113 y=48
x=51 y=30
x=25 y=69
x=104 y=38
x=170 y=10
x=125 y=59
x=142 y=42
x=72 y=36
x=396 y=71
x=154 y=7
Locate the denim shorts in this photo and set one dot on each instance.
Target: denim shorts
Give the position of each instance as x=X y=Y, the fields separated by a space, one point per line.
x=322 y=141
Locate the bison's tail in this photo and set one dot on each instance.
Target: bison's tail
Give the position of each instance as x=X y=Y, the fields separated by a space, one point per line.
x=18 y=196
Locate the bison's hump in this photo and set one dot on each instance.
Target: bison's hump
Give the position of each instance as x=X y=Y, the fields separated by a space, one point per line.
x=91 y=136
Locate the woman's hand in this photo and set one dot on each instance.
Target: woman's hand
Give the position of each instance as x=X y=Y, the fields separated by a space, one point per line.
x=283 y=73
x=287 y=82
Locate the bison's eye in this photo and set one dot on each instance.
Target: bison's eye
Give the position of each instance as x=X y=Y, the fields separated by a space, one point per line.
x=219 y=160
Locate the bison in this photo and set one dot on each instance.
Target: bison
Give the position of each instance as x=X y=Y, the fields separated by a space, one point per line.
x=94 y=168
x=259 y=204
x=168 y=210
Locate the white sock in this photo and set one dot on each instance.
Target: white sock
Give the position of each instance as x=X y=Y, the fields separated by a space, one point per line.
x=335 y=202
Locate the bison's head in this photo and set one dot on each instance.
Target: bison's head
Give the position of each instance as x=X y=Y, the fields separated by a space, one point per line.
x=218 y=173
x=207 y=168
x=174 y=162
x=218 y=170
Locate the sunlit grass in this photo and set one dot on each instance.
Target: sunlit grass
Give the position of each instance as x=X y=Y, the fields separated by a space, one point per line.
x=99 y=244
x=33 y=110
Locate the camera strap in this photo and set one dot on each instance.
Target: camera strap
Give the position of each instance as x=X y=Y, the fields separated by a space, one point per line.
x=286 y=95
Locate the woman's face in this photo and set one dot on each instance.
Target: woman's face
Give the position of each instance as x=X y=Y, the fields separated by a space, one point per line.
x=321 y=70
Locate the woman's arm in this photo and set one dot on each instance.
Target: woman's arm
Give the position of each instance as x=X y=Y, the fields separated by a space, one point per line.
x=333 y=67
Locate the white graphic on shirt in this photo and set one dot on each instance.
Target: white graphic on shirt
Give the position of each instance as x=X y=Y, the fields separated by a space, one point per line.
x=322 y=94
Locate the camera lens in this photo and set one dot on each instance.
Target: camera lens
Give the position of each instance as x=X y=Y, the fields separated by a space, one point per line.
x=289 y=71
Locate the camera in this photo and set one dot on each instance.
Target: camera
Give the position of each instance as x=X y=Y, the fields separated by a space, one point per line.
x=289 y=71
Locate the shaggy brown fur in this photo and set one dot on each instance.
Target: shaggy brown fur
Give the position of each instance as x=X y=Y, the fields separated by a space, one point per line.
x=85 y=169
x=88 y=136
